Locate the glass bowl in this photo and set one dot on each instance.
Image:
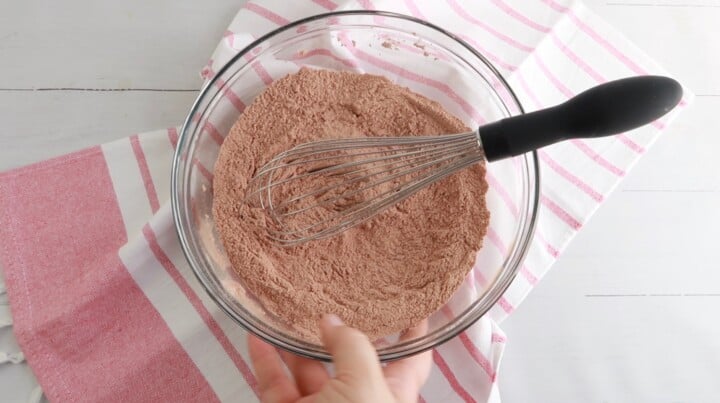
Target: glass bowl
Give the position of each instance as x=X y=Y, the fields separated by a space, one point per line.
x=409 y=52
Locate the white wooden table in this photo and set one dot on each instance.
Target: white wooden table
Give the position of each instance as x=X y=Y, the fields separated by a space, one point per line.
x=635 y=307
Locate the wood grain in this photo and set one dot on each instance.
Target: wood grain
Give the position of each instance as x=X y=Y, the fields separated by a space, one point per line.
x=632 y=303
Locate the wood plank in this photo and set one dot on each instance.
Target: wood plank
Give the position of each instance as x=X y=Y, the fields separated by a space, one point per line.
x=685 y=157
x=42 y=124
x=625 y=313
x=677 y=34
x=109 y=44
x=615 y=348
x=628 y=313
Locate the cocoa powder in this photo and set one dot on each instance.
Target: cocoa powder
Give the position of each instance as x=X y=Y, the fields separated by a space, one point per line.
x=381 y=277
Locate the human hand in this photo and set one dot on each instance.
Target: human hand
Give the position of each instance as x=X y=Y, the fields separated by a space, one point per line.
x=359 y=378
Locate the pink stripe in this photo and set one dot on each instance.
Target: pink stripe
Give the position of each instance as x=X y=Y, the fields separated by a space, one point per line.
x=265 y=13
x=465 y=15
x=569 y=94
x=368 y=5
x=442 y=87
x=145 y=173
x=326 y=4
x=633 y=145
x=414 y=10
x=201 y=168
x=173 y=136
x=548 y=247
x=659 y=124
x=445 y=370
x=520 y=17
x=500 y=245
x=478 y=356
x=163 y=259
x=230 y=38
x=479 y=277
x=230 y=95
x=560 y=212
x=577 y=143
x=597 y=38
x=100 y=328
x=482 y=282
x=327 y=53
x=206 y=71
x=629 y=63
x=493 y=58
x=577 y=59
x=203 y=171
x=497 y=338
x=529 y=276
x=227 y=91
x=505 y=305
x=463 y=104
x=260 y=70
x=597 y=157
x=504 y=195
x=560 y=86
x=495 y=239
x=555 y=6
x=214 y=133
x=229 y=35
x=234 y=355
x=600 y=79
x=570 y=177
x=530 y=93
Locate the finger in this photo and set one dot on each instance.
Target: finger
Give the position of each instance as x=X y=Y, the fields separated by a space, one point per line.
x=274 y=386
x=406 y=377
x=354 y=356
x=310 y=375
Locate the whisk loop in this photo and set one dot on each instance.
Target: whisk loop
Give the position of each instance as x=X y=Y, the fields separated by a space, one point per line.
x=318 y=189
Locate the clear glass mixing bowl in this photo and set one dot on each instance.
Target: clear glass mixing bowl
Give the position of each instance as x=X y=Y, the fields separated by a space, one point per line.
x=411 y=53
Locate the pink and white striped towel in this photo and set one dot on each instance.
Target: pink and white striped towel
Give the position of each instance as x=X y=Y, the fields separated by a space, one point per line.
x=105 y=306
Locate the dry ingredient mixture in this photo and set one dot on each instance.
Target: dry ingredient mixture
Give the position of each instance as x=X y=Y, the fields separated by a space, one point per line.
x=381 y=277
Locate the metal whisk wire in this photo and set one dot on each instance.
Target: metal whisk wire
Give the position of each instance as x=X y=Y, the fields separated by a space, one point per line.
x=340 y=183
x=328 y=186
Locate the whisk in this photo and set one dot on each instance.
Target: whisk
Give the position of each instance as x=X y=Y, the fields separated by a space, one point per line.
x=319 y=189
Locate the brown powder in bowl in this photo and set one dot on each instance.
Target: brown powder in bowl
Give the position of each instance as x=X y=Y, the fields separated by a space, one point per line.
x=383 y=276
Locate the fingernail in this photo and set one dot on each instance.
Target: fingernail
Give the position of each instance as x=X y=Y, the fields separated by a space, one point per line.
x=333 y=320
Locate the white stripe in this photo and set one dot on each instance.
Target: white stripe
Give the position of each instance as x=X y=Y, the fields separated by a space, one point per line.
x=157 y=145
x=5 y=315
x=128 y=184
x=168 y=242
x=159 y=154
x=183 y=321
x=467 y=371
x=167 y=298
x=438 y=389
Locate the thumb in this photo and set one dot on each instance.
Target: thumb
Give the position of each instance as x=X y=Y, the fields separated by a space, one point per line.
x=354 y=356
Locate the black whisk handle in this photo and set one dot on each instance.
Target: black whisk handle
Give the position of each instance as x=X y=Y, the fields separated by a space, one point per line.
x=610 y=108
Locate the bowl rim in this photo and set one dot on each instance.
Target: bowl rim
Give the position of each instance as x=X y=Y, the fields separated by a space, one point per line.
x=498 y=290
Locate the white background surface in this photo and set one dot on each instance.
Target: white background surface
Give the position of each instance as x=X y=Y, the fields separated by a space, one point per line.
x=634 y=300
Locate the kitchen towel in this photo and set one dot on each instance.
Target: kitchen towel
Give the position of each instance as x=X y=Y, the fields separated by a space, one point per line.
x=104 y=305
